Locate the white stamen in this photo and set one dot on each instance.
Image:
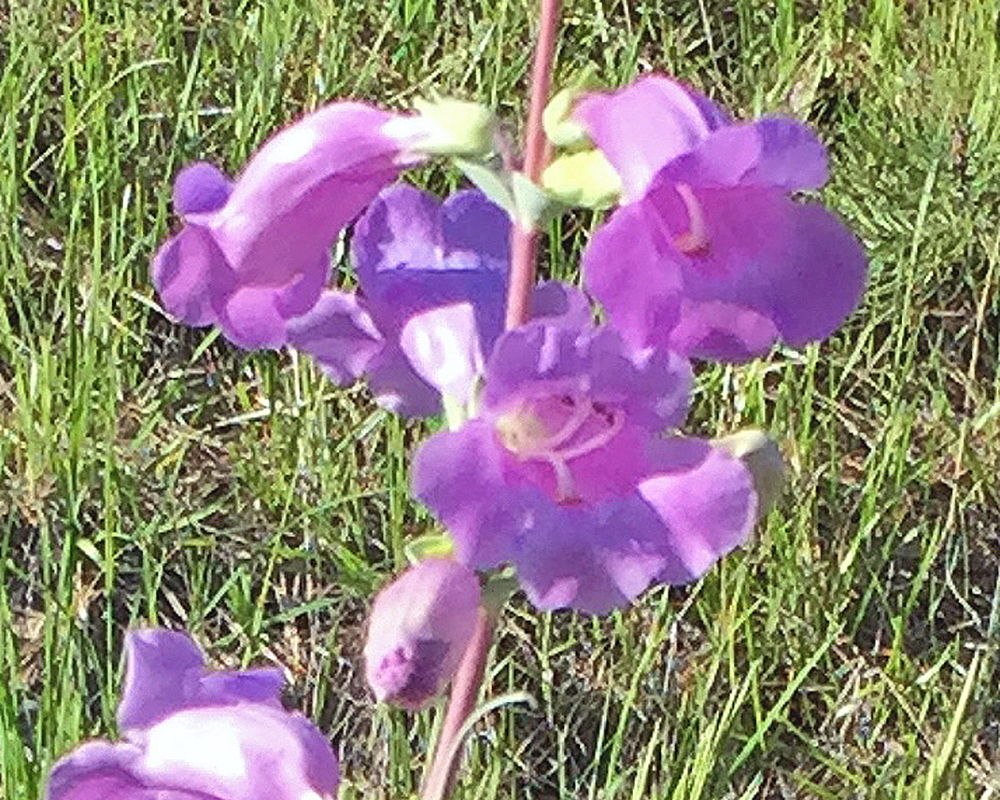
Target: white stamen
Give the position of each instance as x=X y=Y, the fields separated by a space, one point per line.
x=524 y=435
x=695 y=239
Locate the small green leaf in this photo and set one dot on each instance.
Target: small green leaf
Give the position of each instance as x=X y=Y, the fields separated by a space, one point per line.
x=492 y=182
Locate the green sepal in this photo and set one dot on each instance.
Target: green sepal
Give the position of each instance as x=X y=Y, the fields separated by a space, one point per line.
x=491 y=181
x=561 y=130
x=498 y=589
x=459 y=127
x=525 y=202
x=431 y=545
x=535 y=206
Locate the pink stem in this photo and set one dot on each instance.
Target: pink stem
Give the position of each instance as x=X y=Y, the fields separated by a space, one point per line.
x=523 y=245
x=523 y=242
x=461 y=702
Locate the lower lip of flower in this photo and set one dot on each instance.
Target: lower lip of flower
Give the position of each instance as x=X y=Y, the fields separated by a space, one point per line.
x=557 y=430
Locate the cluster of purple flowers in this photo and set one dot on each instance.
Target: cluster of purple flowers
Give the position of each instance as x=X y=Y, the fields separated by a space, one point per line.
x=563 y=455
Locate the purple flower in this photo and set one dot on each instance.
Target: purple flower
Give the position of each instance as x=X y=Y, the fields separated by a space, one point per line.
x=254 y=252
x=432 y=286
x=420 y=626
x=708 y=254
x=194 y=734
x=563 y=474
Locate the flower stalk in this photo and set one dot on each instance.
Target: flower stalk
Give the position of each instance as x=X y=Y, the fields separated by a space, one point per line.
x=524 y=242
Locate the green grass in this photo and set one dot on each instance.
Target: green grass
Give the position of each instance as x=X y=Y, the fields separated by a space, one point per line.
x=153 y=475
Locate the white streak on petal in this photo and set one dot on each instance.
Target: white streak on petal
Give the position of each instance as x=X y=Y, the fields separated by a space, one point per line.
x=292 y=145
x=197 y=741
x=443 y=346
x=548 y=353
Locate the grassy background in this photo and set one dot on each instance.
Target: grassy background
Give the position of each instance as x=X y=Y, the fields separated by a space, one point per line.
x=153 y=475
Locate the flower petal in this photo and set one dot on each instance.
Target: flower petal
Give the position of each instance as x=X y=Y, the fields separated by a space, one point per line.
x=413 y=253
x=164 y=674
x=192 y=276
x=98 y=771
x=646 y=125
x=769 y=152
x=555 y=302
x=706 y=502
x=714 y=329
x=541 y=359
x=397 y=386
x=460 y=477
x=443 y=346
x=201 y=187
x=769 y=266
x=301 y=188
x=628 y=266
x=559 y=566
x=339 y=333
x=252 y=320
x=238 y=752
x=795 y=264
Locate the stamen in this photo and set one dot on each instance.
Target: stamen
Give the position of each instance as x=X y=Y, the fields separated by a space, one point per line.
x=581 y=410
x=565 y=489
x=599 y=439
x=695 y=239
x=520 y=430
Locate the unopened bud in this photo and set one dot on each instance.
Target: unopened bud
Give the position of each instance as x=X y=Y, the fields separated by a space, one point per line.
x=451 y=127
x=761 y=457
x=561 y=129
x=420 y=626
x=583 y=179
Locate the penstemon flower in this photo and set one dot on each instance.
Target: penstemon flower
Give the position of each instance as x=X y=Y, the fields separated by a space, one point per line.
x=707 y=253
x=255 y=252
x=194 y=734
x=563 y=474
x=415 y=257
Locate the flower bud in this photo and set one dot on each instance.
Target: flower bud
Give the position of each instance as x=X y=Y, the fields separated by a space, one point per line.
x=583 y=179
x=762 y=459
x=420 y=626
x=447 y=127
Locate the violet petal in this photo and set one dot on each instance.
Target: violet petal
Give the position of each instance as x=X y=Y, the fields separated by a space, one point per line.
x=339 y=333
x=192 y=276
x=769 y=152
x=646 y=125
x=201 y=187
